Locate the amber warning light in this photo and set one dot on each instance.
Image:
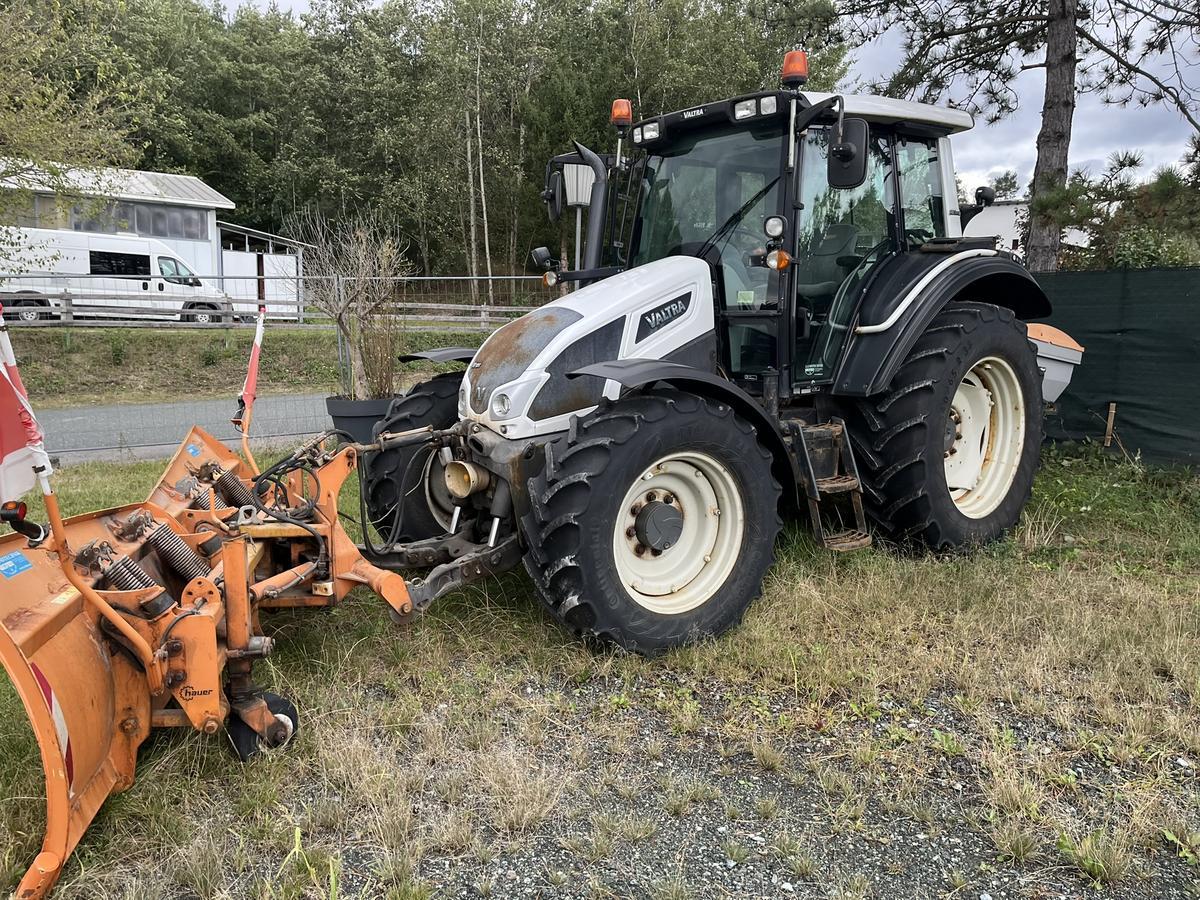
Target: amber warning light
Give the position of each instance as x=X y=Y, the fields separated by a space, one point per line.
x=795 y=68
x=622 y=113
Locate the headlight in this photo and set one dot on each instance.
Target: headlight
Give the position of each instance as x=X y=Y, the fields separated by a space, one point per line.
x=637 y=135
x=501 y=406
x=650 y=131
x=766 y=105
x=744 y=109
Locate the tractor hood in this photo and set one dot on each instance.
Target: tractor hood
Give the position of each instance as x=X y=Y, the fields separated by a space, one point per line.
x=517 y=383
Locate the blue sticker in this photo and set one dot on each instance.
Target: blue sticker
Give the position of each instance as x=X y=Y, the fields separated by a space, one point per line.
x=14 y=564
x=193 y=450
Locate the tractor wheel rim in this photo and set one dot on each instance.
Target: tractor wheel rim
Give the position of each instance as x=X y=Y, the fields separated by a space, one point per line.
x=683 y=576
x=985 y=435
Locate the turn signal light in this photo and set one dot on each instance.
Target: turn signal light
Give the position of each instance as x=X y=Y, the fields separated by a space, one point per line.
x=795 y=68
x=622 y=113
x=550 y=279
x=778 y=260
x=13 y=511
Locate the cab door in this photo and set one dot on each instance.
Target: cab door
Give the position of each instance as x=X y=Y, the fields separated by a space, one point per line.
x=841 y=236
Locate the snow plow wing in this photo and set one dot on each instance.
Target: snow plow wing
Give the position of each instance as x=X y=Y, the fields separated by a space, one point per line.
x=147 y=616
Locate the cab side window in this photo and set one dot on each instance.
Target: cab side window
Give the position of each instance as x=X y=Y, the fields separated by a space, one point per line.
x=922 y=194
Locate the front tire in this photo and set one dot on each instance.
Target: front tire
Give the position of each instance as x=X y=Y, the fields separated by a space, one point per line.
x=423 y=500
x=949 y=452
x=654 y=522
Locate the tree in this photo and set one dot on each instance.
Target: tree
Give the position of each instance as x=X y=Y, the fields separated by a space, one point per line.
x=971 y=52
x=1131 y=223
x=1006 y=185
x=65 y=105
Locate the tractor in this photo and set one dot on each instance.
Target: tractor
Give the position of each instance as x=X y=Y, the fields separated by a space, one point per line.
x=776 y=314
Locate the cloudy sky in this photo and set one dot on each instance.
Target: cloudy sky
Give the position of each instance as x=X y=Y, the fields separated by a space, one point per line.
x=1158 y=133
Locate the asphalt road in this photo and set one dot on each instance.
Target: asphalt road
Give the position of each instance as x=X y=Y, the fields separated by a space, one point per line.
x=154 y=430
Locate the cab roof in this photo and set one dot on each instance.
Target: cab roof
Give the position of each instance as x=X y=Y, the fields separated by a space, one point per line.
x=922 y=119
x=885 y=109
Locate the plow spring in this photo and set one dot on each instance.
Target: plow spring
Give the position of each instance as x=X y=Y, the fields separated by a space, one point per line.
x=147 y=616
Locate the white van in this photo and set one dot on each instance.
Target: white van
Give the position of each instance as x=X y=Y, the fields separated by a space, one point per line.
x=107 y=276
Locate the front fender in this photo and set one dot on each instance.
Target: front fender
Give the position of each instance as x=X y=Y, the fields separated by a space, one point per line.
x=900 y=305
x=635 y=374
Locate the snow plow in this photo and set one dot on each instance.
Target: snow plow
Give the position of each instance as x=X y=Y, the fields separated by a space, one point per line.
x=116 y=622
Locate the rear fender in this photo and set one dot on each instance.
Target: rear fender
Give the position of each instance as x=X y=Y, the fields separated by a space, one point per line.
x=901 y=304
x=637 y=374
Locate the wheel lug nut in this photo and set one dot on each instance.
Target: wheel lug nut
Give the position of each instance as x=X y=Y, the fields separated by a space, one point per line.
x=656 y=553
x=636 y=508
x=630 y=532
x=651 y=496
x=639 y=549
x=668 y=498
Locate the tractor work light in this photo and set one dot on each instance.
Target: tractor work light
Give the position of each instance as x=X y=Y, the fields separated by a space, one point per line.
x=767 y=106
x=774 y=226
x=744 y=109
x=795 y=68
x=650 y=131
x=637 y=135
x=622 y=113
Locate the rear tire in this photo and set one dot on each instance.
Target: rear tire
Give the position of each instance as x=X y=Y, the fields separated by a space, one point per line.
x=427 y=505
x=970 y=389
x=28 y=311
x=648 y=471
x=203 y=315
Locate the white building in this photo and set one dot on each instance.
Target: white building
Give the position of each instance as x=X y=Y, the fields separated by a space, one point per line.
x=1006 y=220
x=180 y=211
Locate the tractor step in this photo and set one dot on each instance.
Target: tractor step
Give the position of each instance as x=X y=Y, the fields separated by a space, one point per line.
x=845 y=541
x=837 y=484
x=832 y=485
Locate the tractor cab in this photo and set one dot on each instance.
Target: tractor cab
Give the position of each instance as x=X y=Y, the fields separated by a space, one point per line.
x=795 y=200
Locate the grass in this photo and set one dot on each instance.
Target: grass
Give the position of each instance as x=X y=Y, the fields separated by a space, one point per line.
x=1033 y=698
x=83 y=366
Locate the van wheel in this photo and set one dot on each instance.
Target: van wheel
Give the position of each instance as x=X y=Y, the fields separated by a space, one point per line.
x=203 y=315
x=28 y=311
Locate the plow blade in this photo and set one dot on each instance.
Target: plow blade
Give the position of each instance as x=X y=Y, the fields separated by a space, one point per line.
x=148 y=616
x=89 y=709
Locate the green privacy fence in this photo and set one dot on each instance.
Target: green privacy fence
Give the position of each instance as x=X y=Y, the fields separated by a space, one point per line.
x=1141 y=331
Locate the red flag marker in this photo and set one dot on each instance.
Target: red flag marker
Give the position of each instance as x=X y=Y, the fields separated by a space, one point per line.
x=23 y=459
x=245 y=411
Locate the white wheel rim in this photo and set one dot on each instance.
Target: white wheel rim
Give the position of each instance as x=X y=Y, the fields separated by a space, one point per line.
x=686 y=575
x=28 y=315
x=985 y=434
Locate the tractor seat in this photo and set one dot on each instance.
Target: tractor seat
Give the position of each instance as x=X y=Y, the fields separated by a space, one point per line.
x=821 y=274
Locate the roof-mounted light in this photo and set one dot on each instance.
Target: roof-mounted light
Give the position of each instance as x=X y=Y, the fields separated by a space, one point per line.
x=744 y=109
x=650 y=131
x=795 y=68
x=622 y=113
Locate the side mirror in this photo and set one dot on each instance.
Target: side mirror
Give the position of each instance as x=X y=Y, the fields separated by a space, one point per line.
x=554 y=195
x=541 y=259
x=848 y=158
x=985 y=196
x=195 y=281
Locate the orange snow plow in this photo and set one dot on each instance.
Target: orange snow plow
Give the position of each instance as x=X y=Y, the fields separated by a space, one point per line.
x=147 y=616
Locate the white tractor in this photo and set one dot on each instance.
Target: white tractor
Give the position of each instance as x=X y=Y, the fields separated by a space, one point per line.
x=777 y=313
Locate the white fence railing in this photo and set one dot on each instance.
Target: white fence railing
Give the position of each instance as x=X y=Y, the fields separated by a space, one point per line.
x=434 y=303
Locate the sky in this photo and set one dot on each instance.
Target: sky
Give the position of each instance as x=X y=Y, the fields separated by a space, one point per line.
x=1159 y=133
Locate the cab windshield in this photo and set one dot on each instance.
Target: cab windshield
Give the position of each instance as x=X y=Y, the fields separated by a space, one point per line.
x=707 y=195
